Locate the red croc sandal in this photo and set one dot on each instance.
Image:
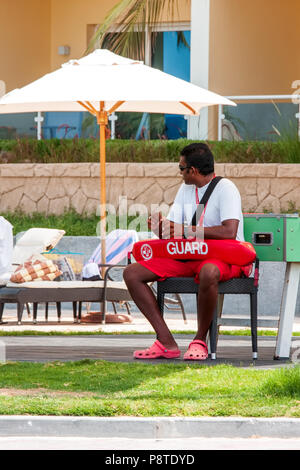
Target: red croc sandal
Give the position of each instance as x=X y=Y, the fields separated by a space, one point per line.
x=156 y=351
x=197 y=351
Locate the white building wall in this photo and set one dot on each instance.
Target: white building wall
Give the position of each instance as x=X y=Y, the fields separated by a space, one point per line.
x=200 y=20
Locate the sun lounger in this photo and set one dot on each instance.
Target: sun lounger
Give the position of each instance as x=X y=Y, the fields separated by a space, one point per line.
x=119 y=243
x=36 y=292
x=58 y=292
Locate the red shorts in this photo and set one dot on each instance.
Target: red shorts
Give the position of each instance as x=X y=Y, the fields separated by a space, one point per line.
x=167 y=267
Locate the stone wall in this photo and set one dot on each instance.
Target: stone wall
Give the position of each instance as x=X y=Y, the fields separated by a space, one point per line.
x=53 y=188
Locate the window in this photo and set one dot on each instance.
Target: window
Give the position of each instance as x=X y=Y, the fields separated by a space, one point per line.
x=166 y=47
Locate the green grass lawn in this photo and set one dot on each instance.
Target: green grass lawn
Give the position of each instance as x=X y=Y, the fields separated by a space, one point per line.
x=100 y=388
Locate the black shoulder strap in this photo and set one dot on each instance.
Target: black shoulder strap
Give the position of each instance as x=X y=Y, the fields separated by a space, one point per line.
x=204 y=199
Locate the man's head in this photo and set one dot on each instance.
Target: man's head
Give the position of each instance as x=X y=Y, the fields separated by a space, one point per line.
x=196 y=161
x=198 y=155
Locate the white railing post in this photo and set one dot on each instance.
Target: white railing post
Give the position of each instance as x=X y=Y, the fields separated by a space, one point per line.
x=39 y=119
x=220 y=119
x=113 y=119
x=298 y=117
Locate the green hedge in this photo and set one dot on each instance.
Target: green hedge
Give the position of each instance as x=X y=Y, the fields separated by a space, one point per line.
x=87 y=150
x=74 y=224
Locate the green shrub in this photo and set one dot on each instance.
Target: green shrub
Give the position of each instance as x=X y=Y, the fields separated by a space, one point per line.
x=87 y=150
x=74 y=224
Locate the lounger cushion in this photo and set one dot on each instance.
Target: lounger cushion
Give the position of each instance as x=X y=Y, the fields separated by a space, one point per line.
x=35 y=241
x=36 y=270
x=116 y=290
x=68 y=284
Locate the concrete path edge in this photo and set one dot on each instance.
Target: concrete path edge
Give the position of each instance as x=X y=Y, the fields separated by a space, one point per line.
x=149 y=428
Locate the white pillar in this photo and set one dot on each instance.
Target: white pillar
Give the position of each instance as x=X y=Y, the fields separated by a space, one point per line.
x=148 y=48
x=200 y=21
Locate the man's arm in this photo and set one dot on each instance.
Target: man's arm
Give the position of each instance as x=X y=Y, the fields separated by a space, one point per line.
x=226 y=231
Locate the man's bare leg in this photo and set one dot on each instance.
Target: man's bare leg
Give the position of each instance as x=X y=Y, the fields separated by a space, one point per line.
x=209 y=277
x=136 y=278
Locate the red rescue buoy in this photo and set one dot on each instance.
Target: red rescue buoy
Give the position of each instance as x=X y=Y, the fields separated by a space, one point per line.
x=229 y=251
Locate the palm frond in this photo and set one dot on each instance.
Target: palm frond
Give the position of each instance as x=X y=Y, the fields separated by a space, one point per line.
x=123 y=30
x=181 y=40
x=109 y=20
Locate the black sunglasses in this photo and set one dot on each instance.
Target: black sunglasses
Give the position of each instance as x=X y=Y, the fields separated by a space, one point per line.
x=182 y=168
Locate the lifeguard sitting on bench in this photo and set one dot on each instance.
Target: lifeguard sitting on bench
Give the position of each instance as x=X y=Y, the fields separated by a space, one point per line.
x=222 y=219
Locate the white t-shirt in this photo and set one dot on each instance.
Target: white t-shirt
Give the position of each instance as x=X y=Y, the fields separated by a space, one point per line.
x=223 y=204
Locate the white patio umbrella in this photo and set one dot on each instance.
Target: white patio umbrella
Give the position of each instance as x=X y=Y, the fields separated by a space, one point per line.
x=102 y=83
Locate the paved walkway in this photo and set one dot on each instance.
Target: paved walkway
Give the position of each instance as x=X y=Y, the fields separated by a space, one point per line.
x=235 y=350
x=137 y=323
x=73 y=432
x=183 y=446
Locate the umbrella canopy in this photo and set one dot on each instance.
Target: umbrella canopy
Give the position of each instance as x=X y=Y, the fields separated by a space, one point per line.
x=117 y=81
x=102 y=83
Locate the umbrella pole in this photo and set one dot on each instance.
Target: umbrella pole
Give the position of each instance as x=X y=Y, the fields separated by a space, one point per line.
x=102 y=121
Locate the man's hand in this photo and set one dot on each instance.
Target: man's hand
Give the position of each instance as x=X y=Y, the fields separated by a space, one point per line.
x=155 y=223
x=164 y=228
x=171 y=229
